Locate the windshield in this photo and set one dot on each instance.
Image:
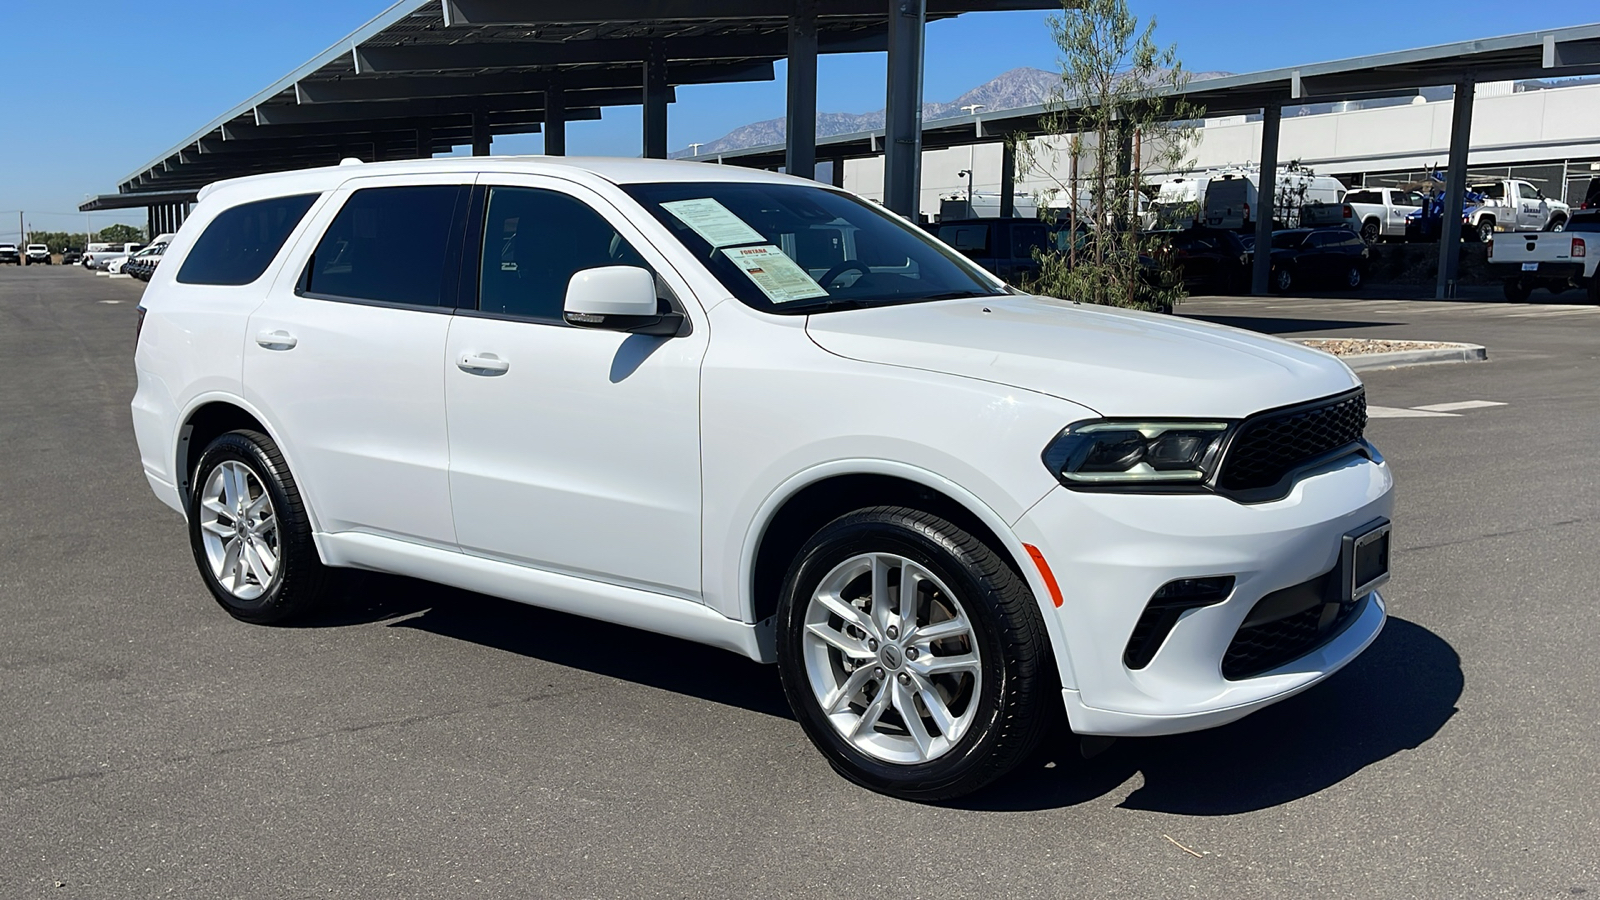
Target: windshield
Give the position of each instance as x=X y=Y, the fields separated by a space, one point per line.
x=787 y=249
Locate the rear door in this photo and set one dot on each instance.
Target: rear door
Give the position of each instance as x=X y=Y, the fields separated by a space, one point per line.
x=346 y=356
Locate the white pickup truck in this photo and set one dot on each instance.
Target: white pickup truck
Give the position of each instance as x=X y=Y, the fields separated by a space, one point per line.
x=1555 y=261
x=1379 y=213
x=1511 y=205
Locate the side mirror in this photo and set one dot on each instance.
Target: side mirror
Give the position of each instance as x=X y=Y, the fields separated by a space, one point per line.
x=618 y=298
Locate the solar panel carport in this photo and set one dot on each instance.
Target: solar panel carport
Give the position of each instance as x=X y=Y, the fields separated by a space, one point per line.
x=1557 y=53
x=430 y=75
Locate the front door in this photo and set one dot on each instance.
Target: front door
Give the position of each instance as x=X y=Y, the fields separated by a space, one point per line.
x=572 y=450
x=346 y=353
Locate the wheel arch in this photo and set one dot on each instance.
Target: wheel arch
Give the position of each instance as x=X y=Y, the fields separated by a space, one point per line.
x=807 y=501
x=212 y=415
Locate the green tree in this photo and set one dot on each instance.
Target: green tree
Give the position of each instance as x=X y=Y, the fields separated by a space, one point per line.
x=1116 y=113
x=58 y=241
x=120 y=234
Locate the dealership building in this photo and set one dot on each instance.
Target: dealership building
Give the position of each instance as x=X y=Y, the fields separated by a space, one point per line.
x=1543 y=132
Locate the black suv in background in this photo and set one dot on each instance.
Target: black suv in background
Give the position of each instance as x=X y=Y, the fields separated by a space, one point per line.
x=1335 y=256
x=1213 y=261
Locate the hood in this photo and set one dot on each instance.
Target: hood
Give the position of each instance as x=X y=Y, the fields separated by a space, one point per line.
x=1116 y=362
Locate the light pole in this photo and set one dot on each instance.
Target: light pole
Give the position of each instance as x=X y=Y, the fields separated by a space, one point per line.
x=972 y=213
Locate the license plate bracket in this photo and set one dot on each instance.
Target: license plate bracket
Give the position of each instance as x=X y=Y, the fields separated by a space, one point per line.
x=1364 y=560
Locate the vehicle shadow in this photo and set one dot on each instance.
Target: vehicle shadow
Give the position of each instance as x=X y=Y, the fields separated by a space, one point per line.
x=1395 y=697
x=616 y=651
x=1273 y=325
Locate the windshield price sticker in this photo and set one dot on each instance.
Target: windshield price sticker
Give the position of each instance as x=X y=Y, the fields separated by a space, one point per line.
x=775 y=273
x=714 y=222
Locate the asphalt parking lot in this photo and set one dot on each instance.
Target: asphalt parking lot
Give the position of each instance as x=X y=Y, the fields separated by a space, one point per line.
x=424 y=742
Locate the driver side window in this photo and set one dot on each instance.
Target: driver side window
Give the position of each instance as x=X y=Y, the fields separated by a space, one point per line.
x=534 y=241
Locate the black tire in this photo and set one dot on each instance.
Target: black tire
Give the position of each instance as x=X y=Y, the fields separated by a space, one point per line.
x=1516 y=291
x=1353 y=279
x=1557 y=224
x=1371 y=231
x=300 y=581
x=1282 y=280
x=1013 y=710
x=1483 y=232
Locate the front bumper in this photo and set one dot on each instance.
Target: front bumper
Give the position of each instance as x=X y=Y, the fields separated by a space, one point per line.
x=1111 y=552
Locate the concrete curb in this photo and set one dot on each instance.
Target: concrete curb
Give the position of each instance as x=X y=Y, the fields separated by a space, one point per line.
x=1452 y=353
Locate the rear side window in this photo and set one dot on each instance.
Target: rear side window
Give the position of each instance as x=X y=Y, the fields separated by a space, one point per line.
x=534 y=241
x=1027 y=238
x=389 y=245
x=241 y=242
x=969 y=239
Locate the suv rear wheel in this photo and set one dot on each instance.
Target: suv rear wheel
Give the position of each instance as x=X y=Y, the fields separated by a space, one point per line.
x=913 y=656
x=250 y=533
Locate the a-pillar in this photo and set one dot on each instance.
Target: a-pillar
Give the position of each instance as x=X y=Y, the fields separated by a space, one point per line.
x=655 y=101
x=902 y=142
x=800 y=129
x=1455 y=190
x=480 y=133
x=1266 y=198
x=555 y=121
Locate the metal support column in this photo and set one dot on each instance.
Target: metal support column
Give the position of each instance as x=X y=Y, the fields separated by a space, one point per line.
x=424 y=142
x=1455 y=190
x=902 y=142
x=555 y=121
x=838 y=172
x=480 y=133
x=1008 y=180
x=655 y=102
x=1266 y=197
x=800 y=128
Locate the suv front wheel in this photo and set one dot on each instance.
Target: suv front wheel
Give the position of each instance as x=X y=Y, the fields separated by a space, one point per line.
x=914 y=656
x=250 y=533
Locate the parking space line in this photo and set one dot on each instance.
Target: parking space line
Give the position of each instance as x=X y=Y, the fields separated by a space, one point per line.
x=1394 y=412
x=1460 y=405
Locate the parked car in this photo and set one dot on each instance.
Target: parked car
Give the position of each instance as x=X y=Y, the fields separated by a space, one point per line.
x=764 y=414
x=1591 y=195
x=1305 y=256
x=1512 y=205
x=1002 y=246
x=9 y=254
x=114 y=265
x=1380 y=212
x=71 y=256
x=1549 y=260
x=1212 y=260
x=36 y=255
x=101 y=259
x=143 y=264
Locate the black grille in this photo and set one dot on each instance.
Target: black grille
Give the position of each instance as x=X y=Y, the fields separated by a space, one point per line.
x=1271 y=445
x=1262 y=646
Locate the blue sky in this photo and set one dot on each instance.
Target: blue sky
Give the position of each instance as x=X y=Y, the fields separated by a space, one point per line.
x=97 y=91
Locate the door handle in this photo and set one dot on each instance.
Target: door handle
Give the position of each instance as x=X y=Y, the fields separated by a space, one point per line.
x=482 y=364
x=276 y=340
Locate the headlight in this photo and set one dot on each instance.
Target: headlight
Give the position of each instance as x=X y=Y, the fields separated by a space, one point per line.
x=1110 y=453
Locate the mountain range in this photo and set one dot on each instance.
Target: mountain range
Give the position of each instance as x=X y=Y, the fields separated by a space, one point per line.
x=1024 y=86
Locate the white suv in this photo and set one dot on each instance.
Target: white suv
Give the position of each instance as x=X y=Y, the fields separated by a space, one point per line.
x=763 y=414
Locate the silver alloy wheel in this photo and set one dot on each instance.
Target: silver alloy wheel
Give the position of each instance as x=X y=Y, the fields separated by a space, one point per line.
x=892 y=658
x=240 y=530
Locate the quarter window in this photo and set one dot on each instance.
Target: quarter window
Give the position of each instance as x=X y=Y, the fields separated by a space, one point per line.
x=241 y=242
x=389 y=245
x=534 y=241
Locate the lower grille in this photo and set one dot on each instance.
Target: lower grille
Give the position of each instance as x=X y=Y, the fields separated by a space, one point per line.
x=1268 y=640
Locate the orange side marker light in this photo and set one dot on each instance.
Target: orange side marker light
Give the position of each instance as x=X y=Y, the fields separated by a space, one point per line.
x=1045 y=573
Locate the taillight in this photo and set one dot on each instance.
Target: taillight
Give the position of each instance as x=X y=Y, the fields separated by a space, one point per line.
x=1247 y=212
x=1349 y=212
x=138 y=327
x=1579 y=248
